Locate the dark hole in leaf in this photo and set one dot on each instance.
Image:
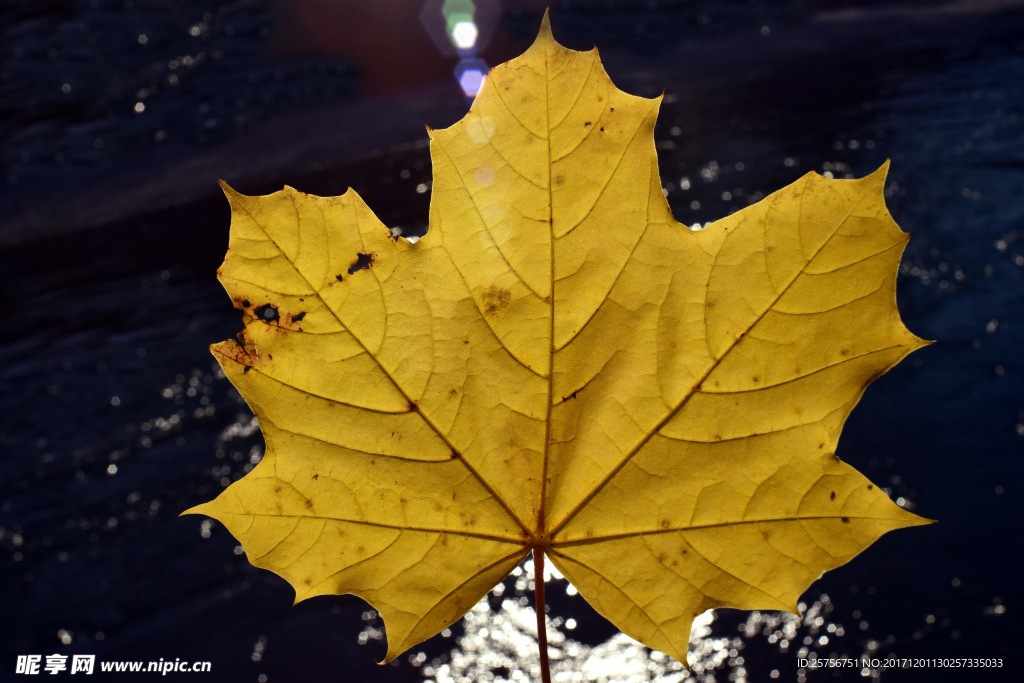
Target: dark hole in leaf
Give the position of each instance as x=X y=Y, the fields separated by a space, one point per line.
x=338 y=278
x=298 y=316
x=247 y=369
x=267 y=313
x=246 y=304
x=363 y=262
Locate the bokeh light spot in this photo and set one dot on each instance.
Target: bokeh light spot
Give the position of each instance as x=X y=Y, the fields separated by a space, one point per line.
x=470 y=75
x=471 y=81
x=464 y=35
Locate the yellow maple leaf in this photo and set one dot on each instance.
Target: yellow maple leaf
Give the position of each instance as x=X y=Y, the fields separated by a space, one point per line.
x=558 y=365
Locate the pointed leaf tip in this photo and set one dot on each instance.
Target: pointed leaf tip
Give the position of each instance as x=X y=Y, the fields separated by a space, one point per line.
x=194 y=510
x=545 y=26
x=231 y=193
x=884 y=169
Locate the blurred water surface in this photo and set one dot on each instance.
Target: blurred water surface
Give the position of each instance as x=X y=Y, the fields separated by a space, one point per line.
x=115 y=418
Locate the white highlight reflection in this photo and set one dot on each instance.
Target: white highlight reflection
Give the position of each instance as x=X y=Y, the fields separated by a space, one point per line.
x=464 y=35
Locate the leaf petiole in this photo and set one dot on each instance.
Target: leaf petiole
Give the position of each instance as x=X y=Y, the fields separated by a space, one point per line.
x=542 y=632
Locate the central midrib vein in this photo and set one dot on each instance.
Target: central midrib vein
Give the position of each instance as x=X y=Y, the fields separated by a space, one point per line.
x=551 y=330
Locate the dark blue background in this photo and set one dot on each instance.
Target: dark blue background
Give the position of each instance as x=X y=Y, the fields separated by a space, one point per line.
x=112 y=227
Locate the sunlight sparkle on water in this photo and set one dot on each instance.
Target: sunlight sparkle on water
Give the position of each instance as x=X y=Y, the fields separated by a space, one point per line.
x=500 y=646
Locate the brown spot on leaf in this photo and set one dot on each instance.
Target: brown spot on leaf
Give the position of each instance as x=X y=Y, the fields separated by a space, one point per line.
x=316 y=476
x=243 y=351
x=309 y=504
x=833 y=496
x=846 y=520
x=308 y=582
x=560 y=180
x=339 y=278
x=496 y=300
x=870 y=486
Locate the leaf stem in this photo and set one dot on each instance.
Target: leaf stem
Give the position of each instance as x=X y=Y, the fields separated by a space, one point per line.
x=542 y=630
